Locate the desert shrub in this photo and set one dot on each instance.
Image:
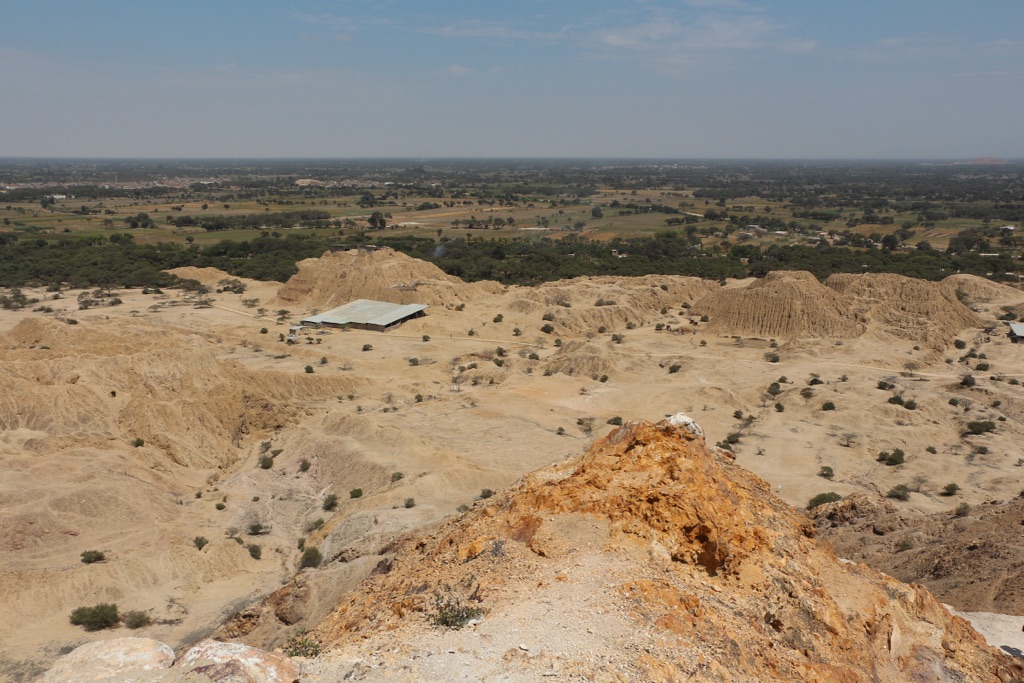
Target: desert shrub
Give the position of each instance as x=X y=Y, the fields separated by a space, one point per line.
x=315 y=524
x=255 y=551
x=807 y=392
x=410 y=503
x=220 y=506
x=950 y=489
x=499 y=318
x=414 y=362
x=774 y=389
x=897 y=457
x=814 y=381
x=460 y=307
x=771 y=357
x=703 y=318
x=779 y=408
x=968 y=381
x=982 y=367
x=486 y=493
x=826 y=472
x=674 y=368
x=463 y=508
x=136 y=619
x=200 y=542
x=257 y=528
x=981 y=426
x=737 y=414
x=733 y=438
x=266 y=462
x=617 y=338
x=897 y=400
x=263 y=330
x=302 y=646
x=547 y=328
x=954 y=402
x=91 y=556
x=960 y=344
x=823 y=498
x=304 y=465
x=97 y=617
x=311 y=557
x=904 y=545
x=603 y=379
x=533 y=356
x=550 y=317
x=355 y=493
x=899 y=492
x=962 y=510
x=396 y=476
x=418 y=398
x=602 y=329
x=451 y=613
x=367 y=347
x=138 y=443
x=330 y=502
x=616 y=420
x=426 y=337
x=885 y=386
x=910 y=405
x=932 y=450
x=828 y=405
x=630 y=325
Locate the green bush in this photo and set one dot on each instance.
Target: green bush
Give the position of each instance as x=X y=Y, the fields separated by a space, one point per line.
x=95 y=618
x=960 y=344
x=899 y=492
x=897 y=457
x=968 y=381
x=823 y=498
x=547 y=328
x=826 y=472
x=200 y=542
x=355 y=493
x=266 y=462
x=367 y=347
x=981 y=426
x=255 y=551
x=548 y=317
x=982 y=367
x=136 y=619
x=309 y=369
x=220 y=506
x=330 y=502
x=410 y=502
x=304 y=465
x=807 y=392
x=897 y=400
x=616 y=420
x=771 y=357
x=950 y=489
x=138 y=443
x=499 y=318
x=311 y=557
x=396 y=476
x=828 y=405
x=486 y=493
x=779 y=408
x=91 y=556
x=450 y=612
x=426 y=337
x=885 y=386
x=674 y=368
x=910 y=405
x=302 y=646
x=962 y=510
x=932 y=450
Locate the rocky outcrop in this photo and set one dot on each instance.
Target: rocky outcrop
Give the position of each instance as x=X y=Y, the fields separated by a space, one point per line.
x=104 y=658
x=649 y=558
x=142 y=660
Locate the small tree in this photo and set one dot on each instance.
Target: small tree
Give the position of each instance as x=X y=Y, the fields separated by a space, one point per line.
x=200 y=542
x=899 y=492
x=950 y=489
x=255 y=551
x=311 y=557
x=355 y=493
x=330 y=502
x=266 y=462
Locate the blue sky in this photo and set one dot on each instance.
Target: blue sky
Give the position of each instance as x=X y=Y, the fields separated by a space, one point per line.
x=523 y=78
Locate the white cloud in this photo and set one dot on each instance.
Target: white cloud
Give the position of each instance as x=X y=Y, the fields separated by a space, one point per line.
x=459 y=70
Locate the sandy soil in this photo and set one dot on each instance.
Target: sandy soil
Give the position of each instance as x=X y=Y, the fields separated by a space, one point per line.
x=74 y=482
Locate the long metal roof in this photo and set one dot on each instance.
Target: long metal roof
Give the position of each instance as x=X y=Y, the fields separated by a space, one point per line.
x=1017 y=329
x=365 y=312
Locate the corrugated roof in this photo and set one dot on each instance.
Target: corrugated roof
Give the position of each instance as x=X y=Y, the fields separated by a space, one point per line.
x=1017 y=329
x=366 y=312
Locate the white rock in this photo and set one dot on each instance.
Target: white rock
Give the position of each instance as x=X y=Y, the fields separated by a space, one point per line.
x=104 y=658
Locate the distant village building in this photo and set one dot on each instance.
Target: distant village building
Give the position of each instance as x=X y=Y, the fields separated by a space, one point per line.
x=1016 y=332
x=364 y=314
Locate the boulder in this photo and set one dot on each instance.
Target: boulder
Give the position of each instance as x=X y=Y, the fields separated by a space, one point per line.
x=104 y=658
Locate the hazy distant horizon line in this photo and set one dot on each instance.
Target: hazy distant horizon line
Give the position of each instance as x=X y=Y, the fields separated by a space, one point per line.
x=4 y=159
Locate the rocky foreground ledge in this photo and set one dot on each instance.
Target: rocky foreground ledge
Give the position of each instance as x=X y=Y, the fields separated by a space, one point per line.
x=143 y=660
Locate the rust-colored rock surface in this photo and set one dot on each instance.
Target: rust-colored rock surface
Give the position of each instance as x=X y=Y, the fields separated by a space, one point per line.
x=647 y=558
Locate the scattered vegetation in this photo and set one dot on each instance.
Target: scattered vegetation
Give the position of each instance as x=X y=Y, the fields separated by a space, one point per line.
x=823 y=498
x=92 y=556
x=451 y=613
x=97 y=617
